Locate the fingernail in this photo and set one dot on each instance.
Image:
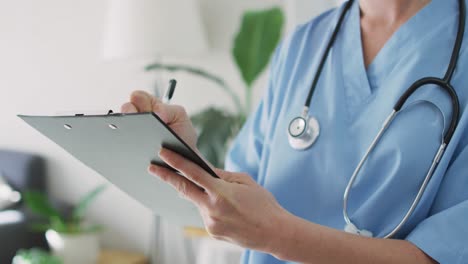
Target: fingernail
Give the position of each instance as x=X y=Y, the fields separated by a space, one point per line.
x=152 y=168
x=162 y=152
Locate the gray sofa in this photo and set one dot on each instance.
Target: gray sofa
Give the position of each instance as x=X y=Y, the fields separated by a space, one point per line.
x=23 y=172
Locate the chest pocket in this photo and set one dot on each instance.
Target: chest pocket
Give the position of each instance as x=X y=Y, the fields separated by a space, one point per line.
x=395 y=170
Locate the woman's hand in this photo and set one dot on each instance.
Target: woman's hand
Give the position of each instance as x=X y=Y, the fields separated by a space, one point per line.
x=238 y=210
x=234 y=208
x=173 y=115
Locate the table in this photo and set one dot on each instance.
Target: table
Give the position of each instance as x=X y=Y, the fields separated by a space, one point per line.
x=121 y=257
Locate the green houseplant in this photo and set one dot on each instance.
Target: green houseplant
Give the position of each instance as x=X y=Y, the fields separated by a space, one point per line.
x=35 y=256
x=39 y=204
x=253 y=45
x=70 y=239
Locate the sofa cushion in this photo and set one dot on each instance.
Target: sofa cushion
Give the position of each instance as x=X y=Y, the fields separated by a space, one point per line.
x=8 y=196
x=23 y=171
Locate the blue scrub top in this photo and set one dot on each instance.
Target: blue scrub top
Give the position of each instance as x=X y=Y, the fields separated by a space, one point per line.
x=351 y=103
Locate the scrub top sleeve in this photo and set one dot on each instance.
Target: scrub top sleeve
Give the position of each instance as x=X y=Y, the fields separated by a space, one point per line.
x=246 y=150
x=444 y=235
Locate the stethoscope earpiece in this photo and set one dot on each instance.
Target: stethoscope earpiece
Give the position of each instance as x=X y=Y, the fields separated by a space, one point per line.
x=303 y=132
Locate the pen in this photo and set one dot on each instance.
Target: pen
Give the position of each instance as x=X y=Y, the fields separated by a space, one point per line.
x=169 y=92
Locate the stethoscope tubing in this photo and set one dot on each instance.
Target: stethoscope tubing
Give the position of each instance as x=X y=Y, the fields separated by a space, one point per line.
x=325 y=54
x=421 y=190
x=450 y=91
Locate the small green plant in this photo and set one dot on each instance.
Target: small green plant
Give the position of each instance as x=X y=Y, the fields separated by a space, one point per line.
x=39 y=204
x=259 y=34
x=35 y=256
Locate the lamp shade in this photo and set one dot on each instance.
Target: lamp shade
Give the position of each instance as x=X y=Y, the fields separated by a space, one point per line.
x=148 y=28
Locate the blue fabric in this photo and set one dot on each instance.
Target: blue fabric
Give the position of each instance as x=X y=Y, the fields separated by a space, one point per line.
x=351 y=103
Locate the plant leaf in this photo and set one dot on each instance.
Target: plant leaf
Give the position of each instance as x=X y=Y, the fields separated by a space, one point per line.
x=256 y=40
x=38 y=227
x=216 y=128
x=35 y=256
x=80 y=208
x=59 y=225
x=39 y=204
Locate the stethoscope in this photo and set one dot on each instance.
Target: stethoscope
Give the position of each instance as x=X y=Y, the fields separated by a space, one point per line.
x=304 y=130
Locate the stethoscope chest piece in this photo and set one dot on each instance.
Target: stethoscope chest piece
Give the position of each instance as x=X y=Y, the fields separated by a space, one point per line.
x=352 y=229
x=303 y=132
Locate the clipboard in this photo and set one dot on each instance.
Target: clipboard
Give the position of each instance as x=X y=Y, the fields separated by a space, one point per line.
x=120 y=147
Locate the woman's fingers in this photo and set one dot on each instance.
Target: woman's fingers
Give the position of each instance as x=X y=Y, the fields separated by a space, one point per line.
x=128 y=108
x=142 y=100
x=233 y=177
x=169 y=113
x=189 y=169
x=184 y=187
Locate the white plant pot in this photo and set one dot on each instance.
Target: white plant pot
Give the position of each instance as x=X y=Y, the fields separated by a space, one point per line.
x=74 y=248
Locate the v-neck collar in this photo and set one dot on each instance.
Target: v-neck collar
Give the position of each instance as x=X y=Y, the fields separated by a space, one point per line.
x=359 y=82
x=356 y=84
x=408 y=36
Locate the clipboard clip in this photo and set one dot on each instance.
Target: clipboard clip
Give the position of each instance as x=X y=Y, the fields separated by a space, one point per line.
x=87 y=113
x=110 y=125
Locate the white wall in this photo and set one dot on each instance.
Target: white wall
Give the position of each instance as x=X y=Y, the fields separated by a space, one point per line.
x=50 y=61
x=302 y=11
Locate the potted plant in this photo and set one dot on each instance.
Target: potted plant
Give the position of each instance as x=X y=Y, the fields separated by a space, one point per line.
x=70 y=238
x=253 y=45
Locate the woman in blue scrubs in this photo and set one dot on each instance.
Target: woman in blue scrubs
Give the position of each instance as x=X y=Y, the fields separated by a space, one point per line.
x=286 y=205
